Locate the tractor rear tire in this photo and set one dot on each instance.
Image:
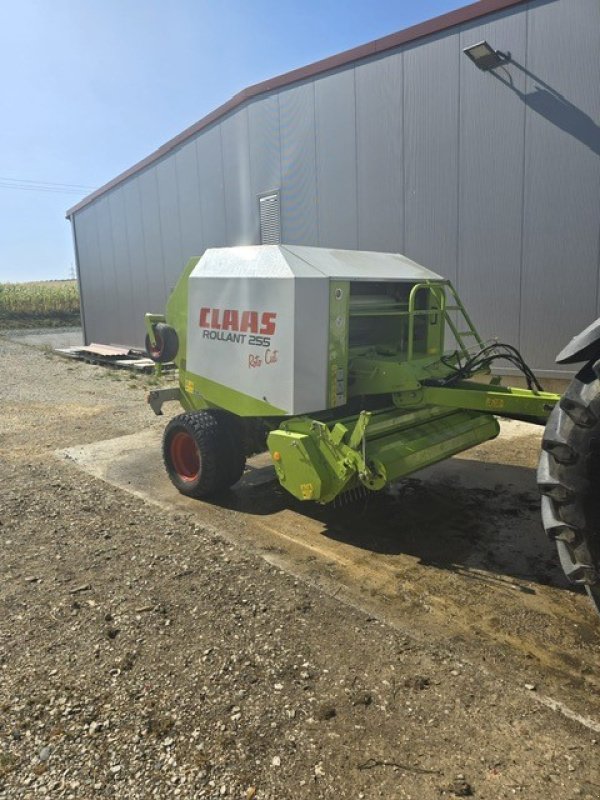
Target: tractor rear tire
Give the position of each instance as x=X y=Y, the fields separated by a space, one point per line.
x=201 y=452
x=569 y=480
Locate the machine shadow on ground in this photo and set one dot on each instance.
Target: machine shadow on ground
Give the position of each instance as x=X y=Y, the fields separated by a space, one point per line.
x=476 y=518
x=465 y=516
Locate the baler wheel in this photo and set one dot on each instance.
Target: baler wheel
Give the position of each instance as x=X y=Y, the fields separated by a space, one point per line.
x=233 y=453
x=167 y=343
x=569 y=480
x=200 y=454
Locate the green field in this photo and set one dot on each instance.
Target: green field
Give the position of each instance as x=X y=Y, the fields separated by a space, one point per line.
x=39 y=304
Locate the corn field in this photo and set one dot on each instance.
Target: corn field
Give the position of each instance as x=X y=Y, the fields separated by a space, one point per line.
x=48 y=302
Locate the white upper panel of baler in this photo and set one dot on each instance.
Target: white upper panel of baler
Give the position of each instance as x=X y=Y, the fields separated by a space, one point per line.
x=357 y=265
x=296 y=261
x=259 y=322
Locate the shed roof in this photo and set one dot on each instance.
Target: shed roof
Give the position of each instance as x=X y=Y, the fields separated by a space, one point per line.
x=436 y=25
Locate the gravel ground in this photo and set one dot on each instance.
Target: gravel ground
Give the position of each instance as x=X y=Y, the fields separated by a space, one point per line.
x=142 y=655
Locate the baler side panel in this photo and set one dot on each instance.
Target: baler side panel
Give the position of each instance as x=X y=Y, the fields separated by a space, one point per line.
x=311 y=325
x=241 y=338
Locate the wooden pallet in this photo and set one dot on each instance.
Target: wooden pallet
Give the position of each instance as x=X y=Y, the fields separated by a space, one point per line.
x=111 y=356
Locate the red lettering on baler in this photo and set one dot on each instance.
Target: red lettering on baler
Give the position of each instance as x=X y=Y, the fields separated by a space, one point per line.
x=231 y=320
x=268 y=323
x=249 y=322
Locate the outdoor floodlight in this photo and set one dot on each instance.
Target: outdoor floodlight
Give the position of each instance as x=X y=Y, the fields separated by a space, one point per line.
x=484 y=56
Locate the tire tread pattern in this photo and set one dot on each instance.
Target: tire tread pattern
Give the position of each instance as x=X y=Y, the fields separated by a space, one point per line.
x=569 y=479
x=232 y=434
x=219 y=437
x=205 y=431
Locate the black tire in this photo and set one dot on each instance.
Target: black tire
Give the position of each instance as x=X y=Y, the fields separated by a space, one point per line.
x=233 y=452
x=569 y=480
x=167 y=344
x=199 y=453
x=254 y=432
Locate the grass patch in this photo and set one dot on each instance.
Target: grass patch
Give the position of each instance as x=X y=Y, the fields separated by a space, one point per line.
x=48 y=304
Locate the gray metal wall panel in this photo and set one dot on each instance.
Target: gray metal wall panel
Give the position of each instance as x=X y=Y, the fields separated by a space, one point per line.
x=431 y=153
x=140 y=265
x=335 y=123
x=264 y=146
x=379 y=147
x=212 y=187
x=153 y=242
x=562 y=175
x=170 y=220
x=242 y=213
x=188 y=197
x=91 y=274
x=298 y=165
x=115 y=327
x=125 y=293
x=490 y=203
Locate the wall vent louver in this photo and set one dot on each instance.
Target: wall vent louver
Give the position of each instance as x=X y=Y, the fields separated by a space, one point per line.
x=270 y=218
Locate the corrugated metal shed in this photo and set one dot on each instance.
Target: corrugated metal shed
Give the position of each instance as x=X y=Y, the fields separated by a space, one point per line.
x=491 y=179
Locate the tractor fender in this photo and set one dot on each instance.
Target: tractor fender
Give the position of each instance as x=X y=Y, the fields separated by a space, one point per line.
x=583 y=347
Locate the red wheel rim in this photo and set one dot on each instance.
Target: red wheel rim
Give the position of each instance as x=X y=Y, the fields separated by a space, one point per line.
x=156 y=349
x=185 y=456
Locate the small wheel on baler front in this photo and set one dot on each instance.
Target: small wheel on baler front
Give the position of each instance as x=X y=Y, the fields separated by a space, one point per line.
x=202 y=453
x=167 y=344
x=569 y=480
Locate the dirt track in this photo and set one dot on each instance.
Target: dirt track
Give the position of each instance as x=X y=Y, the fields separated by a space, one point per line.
x=423 y=645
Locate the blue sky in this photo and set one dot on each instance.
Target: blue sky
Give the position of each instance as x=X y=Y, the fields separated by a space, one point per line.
x=89 y=87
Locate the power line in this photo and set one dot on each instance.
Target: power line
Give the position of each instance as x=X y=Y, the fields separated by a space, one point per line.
x=27 y=185
x=41 y=189
x=47 y=183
